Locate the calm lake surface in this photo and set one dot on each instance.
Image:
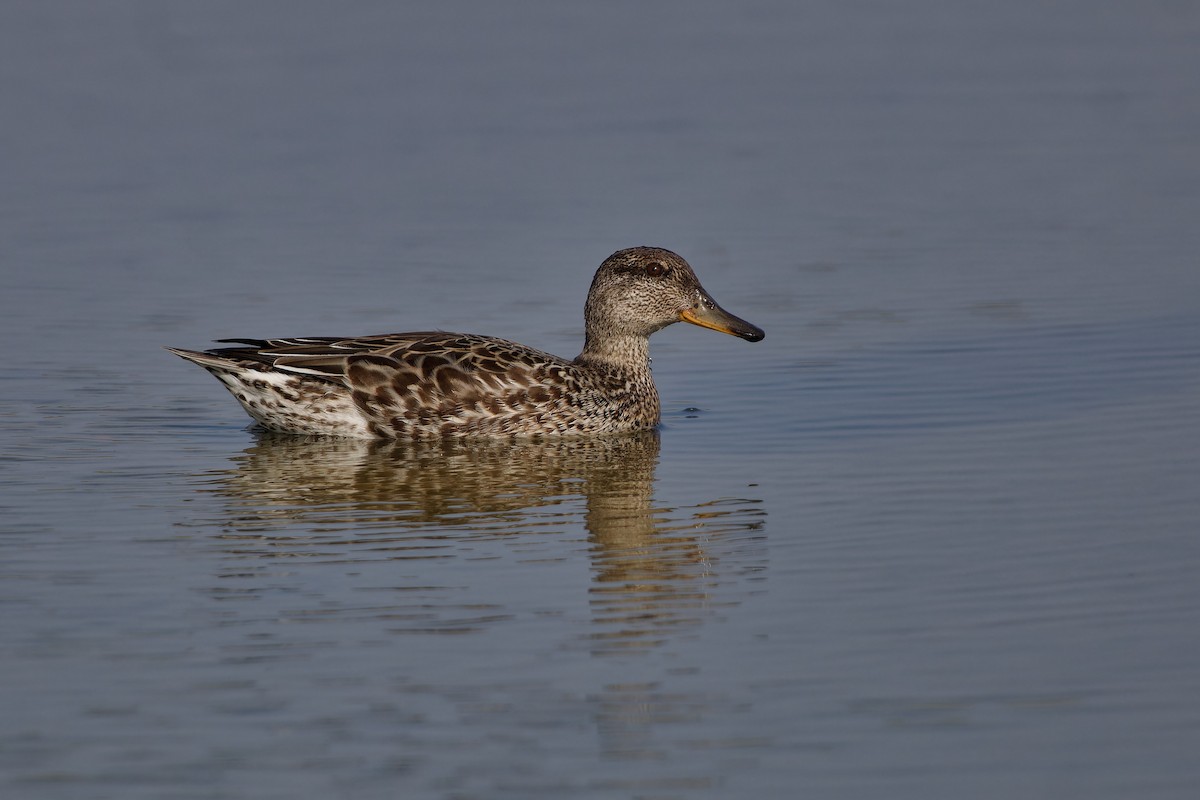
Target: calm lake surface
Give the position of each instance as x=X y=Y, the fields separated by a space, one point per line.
x=935 y=536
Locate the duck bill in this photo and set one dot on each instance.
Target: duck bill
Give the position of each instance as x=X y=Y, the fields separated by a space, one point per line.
x=707 y=314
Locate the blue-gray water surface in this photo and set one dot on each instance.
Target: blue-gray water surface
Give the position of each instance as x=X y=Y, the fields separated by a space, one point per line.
x=935 y=536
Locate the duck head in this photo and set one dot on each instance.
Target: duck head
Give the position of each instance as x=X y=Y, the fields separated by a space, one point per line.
x=644 y=289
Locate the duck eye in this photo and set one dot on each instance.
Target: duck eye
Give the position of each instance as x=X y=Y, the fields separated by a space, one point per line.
x=655 y=269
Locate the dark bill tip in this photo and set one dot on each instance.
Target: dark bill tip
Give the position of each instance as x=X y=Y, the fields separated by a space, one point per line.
x=752 y=333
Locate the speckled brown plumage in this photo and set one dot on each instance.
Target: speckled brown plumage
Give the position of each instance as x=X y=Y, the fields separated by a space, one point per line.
x=430 y=384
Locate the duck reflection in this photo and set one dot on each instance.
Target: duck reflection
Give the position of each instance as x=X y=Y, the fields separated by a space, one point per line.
x=654 y=567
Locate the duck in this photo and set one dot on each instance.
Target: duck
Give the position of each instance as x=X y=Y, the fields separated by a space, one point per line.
x=432 y=384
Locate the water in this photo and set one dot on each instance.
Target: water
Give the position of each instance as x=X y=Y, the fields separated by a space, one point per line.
x=933 y=537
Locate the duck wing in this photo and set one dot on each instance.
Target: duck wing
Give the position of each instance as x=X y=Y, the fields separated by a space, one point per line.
x=424 y=380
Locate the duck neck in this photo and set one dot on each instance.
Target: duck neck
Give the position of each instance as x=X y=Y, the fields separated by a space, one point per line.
x=628 y=353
